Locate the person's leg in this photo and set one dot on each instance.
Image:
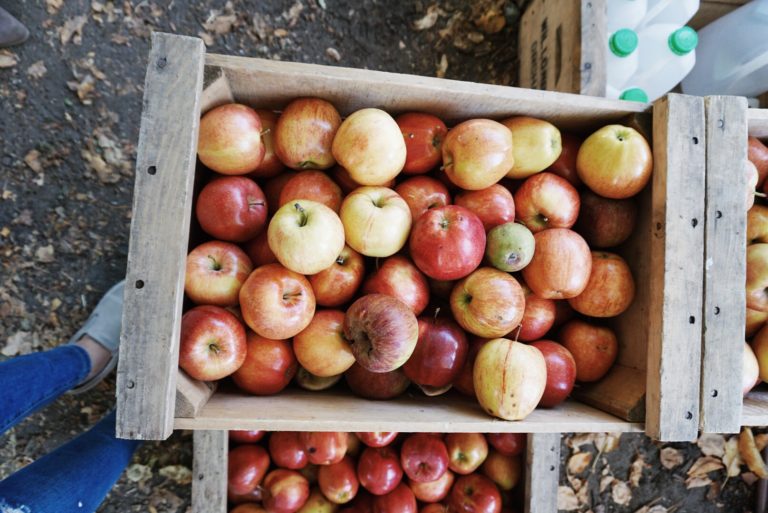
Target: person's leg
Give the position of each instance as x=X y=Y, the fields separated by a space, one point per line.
x=12 y=32
x=74 y=478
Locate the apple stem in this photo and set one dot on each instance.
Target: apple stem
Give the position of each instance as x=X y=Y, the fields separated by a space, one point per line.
x=760 y=194
x=303 y=213
x=265 y=131
x=519 y=329
x=437 y=312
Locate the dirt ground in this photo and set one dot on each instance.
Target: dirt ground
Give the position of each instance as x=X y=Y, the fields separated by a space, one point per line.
x=70 y=101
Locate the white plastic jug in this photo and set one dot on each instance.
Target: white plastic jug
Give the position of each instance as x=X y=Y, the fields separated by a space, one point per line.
x=676 y=12
x=625 y=14
x=733 y=54
x=629 y=93
x=622 y=60
x=666 y=55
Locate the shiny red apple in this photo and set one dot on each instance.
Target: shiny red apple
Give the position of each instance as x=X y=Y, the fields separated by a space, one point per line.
x=538 y=317
x=213 y=343
x=422 y=193
x=246 y=467
x=215 y=272
x=440 y=353
x=424 y=457
x=268 y=367
x=423 y=134
x=287 y=450
x=396 y=276
x=338 y=284
x=546 y=200
x=231 y=208
x=510 y=444
x=324 y=448
x=285 y=491
x=561 y=372
x=474 y=493
x=338 y=481
x=304 y=134
x=377 y=439
x=494 y=205
x=399 y=500
x=246 y=436
x=379 y=470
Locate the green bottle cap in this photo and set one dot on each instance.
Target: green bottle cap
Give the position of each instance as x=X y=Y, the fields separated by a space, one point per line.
x=683 y=40
x=634 y=94
x=623 y=42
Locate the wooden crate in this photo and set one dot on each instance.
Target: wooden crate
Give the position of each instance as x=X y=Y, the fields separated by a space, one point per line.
x=661 y=329
x=211 y=448
x=564 y=43
x=729 y=123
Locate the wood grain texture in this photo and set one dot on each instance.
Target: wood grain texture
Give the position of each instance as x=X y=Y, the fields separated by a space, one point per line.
x=269 y=84
x=191 y=394
x=542 y=463
x=162 y=202
x=209 y=471
x=676 y=285
x=757 y=121
x=338 y=410
x=620 y=393
x=724 y=264
x=594 y=48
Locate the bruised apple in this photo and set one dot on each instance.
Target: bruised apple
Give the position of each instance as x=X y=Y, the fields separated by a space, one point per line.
x=305 y=132
x=324 y=448
x=478 y=153
x=610 y=289
x=229 y=139
x=593 y=347
x=561 y=265
x=509 y=378
x=488 y=303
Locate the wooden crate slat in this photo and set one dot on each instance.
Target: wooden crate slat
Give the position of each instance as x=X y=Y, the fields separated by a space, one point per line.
x=542 y=462
x=593 y=73
x=621 y=392
x=676 y=288
x=209 y=471
x=191 y=394
x=338 y=410
x=724 y=307
x=162 y=202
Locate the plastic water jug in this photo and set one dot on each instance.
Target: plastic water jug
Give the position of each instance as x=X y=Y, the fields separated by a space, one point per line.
x=666 y=55
x=733 y=54
x=676 y=12
x=630 y=93
x=623 y=59
x=625 y=14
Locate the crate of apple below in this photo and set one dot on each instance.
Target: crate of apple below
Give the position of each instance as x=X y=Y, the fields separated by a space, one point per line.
x=372 y=252
x=305 y=472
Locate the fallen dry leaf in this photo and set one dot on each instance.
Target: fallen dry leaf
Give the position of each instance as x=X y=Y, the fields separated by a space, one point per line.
x=579 y=462
x=45 y=254
x=566 y=499
x=37 y=70
x=751 y=455
x=711 y=445
x=492 y=20
x=178 y=473
x=621 y=493
x=333 y=53
x=704 y=466
x=73 y=29
x=607 y=442
x=442 y=67
x=18 y=343
x=138 y=472
x=103 y=171
x=697 y=482
x=605 y=482
x=84 y=88
x=670 y=457
x=32 y=159
x=583 y=496
x=429 y=19
x=575 y=482
x=576 y=441
x=280 y=32
x=220 y=24
x=761 y=440
x=8 y=59
x=53 y=5
x=206 y=37
x=652 y=509
x=636 y=472
x=732 y=458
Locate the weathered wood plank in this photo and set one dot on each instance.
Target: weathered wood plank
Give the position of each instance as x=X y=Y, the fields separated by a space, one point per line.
x=191 y=394
x=209 y=471
x=724 y=264
x=620 y=393
x=542 y=462
x=593 y=79
x=162 y=202
x=676 y=286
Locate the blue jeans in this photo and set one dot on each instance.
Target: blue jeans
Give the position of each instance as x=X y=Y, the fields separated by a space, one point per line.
x=78 y=475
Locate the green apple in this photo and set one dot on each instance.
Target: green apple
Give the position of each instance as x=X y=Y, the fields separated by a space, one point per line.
x=510 y=247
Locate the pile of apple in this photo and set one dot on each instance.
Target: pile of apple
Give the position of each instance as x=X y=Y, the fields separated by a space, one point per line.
x=396 y=251
x=756 y=354
x=386 y=473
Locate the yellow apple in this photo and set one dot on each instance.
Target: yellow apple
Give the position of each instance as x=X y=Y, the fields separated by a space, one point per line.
x=751 y=376
x=537 y=145
x=376 y=221
x=477 y=153
x=757 y=277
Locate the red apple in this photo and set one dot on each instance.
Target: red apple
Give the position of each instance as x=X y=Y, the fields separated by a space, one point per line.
x=561 y=372
x=270 y=164
x=605 y=223
x=561 y=265
x=212 y=343
x=510 y=444
x=285 y=491
x=363 y=503
x=318 y=503
x=422 y=193
x=382 y=332
x=274 y=187
x=563 y=312
x=757 y=277
x=315 y=186
x=268 y=367
x=277 y=303
x=447 y=243
x=424 y=457
x=610 y=289
x=594 y=348
x=510 y=378
x=399 y=500
x=538 y=316
x=258 y=251
x=229 y=139
x=478 y=153
x=337 y=284
x=434 y=508
x=546 y=200
x=440 y=352
x=474 y=493
x=757 y=225
x=505 y=471
x=754 y=322
x=324 y=448
x=305 y=132
x=466 y=451
x=615 y=162
x=565 y=165
x=338 y=481
x=248 y=508
x=287 y=450
x=321 y=348
x=377 y=439
x=376 y=385
x=370 y=146
x=309 y=381
x=757 y=153
x=423 y=135
x=536 y=146
x=494 y=205
x=399 y=278
x=246 y=467
x=441 y=288
x=376 y=221
x=760 y=348
x=464 y=382
x=245 y=436
x=378 y=470
x=488 y=303
x=433 y=491
x=354 y=445
x=231 y=208
x=215 y=272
